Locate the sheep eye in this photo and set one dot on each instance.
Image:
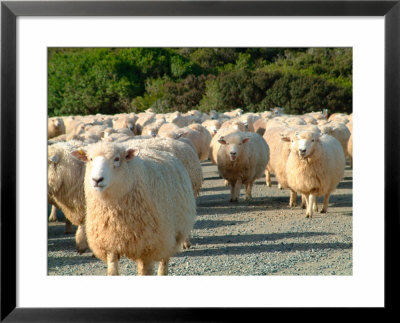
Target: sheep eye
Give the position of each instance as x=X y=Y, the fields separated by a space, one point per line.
x=116 y=159
x=312 y=140
x=91 y=159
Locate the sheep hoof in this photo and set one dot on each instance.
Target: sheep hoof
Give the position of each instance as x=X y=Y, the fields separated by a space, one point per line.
x=81 y=251
x=186 y=245
x=323 y=211
x=234 y=200
x=52 y=218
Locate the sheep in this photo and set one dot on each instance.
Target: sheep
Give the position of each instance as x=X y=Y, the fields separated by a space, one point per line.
x=55 y=127
x=139 y=204
x=144 y=118
x=215 y=145
x=339 y=131
x=314 y=167
x=279 y=153
x=65 y=186
x=125 y=121
x=241 y=159
x=233 y=113
x=212 y=126
x=180 y=150
x=206 y=140
x=260 y=125
x=167 y=128
x=350 y=142
x=152 y=129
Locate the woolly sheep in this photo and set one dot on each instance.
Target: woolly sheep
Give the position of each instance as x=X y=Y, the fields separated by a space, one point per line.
x=55 y=127
x=206 y=140
x=125 y=121
x=212 y=126
x=339 y=131
x=215 y=145
x=279 y=153
x=65 y=177
x=144 y=118
x=140 y=204
x=241 y=159
x=152 y=129
x=180 y=150
x=233 y=113
x=314 y=167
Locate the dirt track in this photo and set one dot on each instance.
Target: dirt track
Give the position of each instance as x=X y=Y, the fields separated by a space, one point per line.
x=261 y=237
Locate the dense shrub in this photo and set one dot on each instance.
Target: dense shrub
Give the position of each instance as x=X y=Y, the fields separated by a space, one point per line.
x=113 y=80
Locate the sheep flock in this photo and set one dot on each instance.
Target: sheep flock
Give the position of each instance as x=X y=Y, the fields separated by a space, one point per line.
x=130 y=182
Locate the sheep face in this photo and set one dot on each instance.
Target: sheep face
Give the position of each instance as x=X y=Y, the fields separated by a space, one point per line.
x=103 y=165
x=303 y=143
x=233 y=147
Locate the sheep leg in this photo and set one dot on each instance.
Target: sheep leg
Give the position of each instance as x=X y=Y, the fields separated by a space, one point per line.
x=293 y=199
x=53 y=214
x=112 y=264
x=163 y=267
x=304 y=201
x=81 y=240
x=69 y=228
x=235 y=191
x=186 y=244
x=310 y=205
x=267 y=178
x=326 y=201
x=249 y=187
x=144 y=267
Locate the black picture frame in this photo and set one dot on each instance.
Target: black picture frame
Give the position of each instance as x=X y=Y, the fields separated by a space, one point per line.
x=10 y=10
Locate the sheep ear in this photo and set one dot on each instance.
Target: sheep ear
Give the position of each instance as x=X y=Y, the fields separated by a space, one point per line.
x=80 y=154
x=131 y=153
x=222 y=141
x=55 y=159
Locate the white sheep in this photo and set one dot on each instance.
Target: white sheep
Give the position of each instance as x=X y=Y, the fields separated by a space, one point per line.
x=65 y=177
x=338 y=130
x=140 y=204
x=55 y=127
x=215 y=145
x=212 y=126
x=241 y=159
x=314 y=167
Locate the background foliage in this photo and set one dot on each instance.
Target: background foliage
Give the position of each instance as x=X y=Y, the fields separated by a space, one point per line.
x=113 y=80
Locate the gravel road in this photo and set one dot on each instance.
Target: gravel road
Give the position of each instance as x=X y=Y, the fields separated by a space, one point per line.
x=261 y=237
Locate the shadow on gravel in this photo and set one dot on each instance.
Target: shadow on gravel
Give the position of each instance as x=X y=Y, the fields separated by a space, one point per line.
x=341 y=200
x=345 y=185
x=278 y=247
x=54 y=262
x=212 y=178
x=205 y=224
x=214 y=189
x=252 y=238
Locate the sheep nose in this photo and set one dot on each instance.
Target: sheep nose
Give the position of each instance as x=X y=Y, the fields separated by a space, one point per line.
x=98 y=180
x=302 y=151
x=233 y=153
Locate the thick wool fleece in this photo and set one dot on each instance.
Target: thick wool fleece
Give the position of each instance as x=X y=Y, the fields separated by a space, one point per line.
x=180 y=150
x=252 y=158
x=279 y=152
x=321 y=171
x=65 y=176
x=147 y=210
